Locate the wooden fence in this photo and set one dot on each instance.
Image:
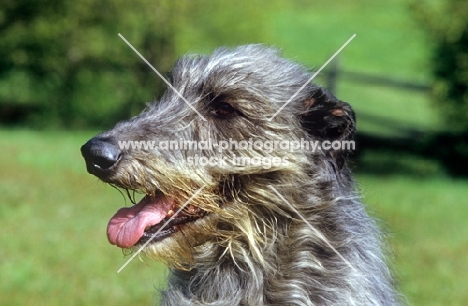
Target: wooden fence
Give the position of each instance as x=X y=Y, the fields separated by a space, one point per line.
x=450 y=148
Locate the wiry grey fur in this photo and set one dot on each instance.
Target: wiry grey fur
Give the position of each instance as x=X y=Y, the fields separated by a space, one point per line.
x=252 y=248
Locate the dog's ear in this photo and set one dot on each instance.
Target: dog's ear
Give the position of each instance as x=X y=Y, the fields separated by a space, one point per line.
x=325 y=117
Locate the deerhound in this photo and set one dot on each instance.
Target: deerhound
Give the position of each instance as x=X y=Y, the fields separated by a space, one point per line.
x=238 y=203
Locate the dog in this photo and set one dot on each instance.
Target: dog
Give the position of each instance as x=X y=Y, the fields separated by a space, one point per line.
x=238 y=203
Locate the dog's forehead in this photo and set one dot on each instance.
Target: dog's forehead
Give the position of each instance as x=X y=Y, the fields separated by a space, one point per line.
x=249 y=69
x=250 y=57
x=263 y=63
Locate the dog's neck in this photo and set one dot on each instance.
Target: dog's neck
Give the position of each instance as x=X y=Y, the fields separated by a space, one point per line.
x=226 y=283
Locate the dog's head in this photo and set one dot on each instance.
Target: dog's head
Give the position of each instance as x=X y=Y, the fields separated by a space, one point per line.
x=231 y=124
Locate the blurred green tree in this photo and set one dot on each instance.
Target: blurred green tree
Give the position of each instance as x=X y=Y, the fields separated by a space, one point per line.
x=63 y=65
x=446 y=23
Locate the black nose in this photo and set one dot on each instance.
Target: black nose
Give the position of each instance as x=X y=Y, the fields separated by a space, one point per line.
x=101 y=155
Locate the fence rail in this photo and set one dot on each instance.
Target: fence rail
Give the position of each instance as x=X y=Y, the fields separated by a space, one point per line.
x=334 y=73
x=450 y=148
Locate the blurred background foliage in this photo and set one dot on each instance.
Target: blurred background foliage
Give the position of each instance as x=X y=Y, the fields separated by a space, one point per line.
x=446 y=23
x=63 y=65
x=65 y=75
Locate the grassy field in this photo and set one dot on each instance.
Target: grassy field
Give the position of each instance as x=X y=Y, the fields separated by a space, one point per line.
x=53 y=245
x=54 y=215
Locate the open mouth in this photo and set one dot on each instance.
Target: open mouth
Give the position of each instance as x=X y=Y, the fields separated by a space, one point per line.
x=139 y=223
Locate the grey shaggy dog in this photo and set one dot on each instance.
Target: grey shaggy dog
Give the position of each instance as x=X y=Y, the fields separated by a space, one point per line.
x=280 y=226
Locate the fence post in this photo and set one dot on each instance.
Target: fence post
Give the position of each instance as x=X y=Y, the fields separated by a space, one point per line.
x=332 y=76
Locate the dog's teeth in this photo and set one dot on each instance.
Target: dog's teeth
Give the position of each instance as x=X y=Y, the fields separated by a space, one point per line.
x=170 y=213
x=147 y=228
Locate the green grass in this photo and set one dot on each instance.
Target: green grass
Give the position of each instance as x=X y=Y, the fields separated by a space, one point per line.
x=53 y=217
x=427 y=220
x=55 y=252
x=387 y=40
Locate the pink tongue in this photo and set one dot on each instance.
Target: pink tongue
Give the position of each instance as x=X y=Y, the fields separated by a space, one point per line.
x=127 y=226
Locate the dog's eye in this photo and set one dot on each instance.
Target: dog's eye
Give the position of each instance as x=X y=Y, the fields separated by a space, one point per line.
x=223 y=109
